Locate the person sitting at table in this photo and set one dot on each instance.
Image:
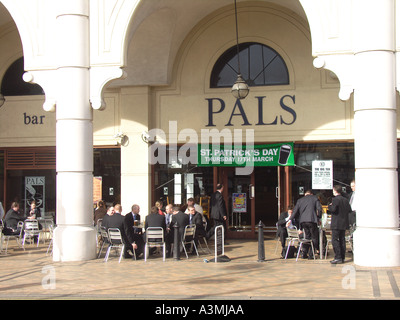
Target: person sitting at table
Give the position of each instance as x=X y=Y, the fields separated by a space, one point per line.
x=134 y=241
x=134 y=214
x=12 y=217
x=282 y=231
x=100 y=212
x=159 y=204
x=116 y=220
x=154 y=220
x=196 y=218
x=34 y=213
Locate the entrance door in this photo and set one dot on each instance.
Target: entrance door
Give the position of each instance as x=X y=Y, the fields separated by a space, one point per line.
x=249 y=199
x=266 y=195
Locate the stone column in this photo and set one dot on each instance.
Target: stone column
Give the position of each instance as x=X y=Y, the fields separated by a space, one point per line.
x=74 y=237
x=377 y=239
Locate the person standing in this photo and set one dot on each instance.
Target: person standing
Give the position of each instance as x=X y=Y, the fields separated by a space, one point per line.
x=169 y=234
x=353 y=204
x=309 y=210
x=339 y=209
x=218 y=210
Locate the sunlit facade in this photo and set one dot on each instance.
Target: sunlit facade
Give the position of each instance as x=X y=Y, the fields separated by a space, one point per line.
x=98 y=76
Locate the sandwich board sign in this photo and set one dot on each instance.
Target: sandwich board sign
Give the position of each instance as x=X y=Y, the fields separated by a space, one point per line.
x=219 y=241
x=219 y=245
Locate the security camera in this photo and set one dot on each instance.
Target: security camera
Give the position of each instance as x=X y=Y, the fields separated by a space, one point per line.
x=146 y=136
x=118 y=135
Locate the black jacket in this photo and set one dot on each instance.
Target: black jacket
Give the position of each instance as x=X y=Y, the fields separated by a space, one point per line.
x=307 y=209
x=339 y=209
x=218 y=207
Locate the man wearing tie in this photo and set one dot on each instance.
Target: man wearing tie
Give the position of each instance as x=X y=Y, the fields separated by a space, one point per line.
x=169 y=236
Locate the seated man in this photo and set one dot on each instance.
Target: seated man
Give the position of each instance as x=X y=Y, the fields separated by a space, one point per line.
x=134 y=241
x=282 y=231
x=116 y=220
x=154 y=220
x=197 y=219
x=13 y=216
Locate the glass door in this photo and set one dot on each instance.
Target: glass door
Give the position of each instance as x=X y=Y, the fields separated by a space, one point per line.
x=239 y=202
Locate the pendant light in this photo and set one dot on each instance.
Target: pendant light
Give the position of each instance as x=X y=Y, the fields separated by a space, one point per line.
x=240 y=89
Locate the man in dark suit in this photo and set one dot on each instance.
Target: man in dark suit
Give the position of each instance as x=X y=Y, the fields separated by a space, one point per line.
x=136 y=217
x=309 y=211
x=196 y=219
x=218 y=210
x=169 y=234
x=339 y=209
x=12 y=217
x=154 y=219
x=134 y=240
x=281 y=225
x=180 y=219
x=116 y=220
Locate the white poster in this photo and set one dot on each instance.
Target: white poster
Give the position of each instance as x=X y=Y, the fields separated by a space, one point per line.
x=35 y=190
x=322 y=174
x=177 y=188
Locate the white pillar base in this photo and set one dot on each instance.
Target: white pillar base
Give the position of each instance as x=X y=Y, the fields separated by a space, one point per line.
x=74 y=243
x=375 y=247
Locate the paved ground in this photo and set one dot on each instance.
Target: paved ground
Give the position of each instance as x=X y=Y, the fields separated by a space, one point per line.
x=31 y=274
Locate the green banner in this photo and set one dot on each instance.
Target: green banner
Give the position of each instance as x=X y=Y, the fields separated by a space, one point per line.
x=280 y=154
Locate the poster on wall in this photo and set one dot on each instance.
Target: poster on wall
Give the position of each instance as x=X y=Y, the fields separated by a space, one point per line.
x=239 y=202
x=35 y=190
x=322 y=174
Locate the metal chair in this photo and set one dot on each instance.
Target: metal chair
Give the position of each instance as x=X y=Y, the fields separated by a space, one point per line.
x=188 y=238
x=154 y=238
x=17 y=237
x=51 y=230
x=104 y=240
x=293 y=236
x=204 y=239
x=305 y=241
x=115 y=238
x=31 y=230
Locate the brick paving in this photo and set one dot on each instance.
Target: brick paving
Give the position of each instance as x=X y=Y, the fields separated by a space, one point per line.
x=31 y=274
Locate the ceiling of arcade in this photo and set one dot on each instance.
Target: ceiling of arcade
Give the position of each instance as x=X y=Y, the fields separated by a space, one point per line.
x=157 y=30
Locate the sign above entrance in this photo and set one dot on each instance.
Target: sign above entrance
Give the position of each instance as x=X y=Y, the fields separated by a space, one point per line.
x=258 y=155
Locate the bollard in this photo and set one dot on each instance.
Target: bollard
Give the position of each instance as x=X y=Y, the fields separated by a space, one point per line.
x=261 y=250
x=177 y=251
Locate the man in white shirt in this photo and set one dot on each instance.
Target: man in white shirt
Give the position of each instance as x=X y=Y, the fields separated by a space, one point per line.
x=353 y=203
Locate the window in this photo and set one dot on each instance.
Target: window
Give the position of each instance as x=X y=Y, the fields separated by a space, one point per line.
x=260 y=65
x=14 y=85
